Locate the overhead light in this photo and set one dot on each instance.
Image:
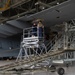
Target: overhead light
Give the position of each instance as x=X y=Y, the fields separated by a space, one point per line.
x=42 y=7
x=36 y=3
x=58 y=3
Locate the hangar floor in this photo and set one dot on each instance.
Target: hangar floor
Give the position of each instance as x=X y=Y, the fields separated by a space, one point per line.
x=5 y=62
x=68 y=71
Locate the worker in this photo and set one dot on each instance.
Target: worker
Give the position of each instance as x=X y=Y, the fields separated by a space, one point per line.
x=40 y=28
x=34 y=29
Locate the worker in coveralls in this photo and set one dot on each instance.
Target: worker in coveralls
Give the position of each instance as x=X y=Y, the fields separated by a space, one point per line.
x=40 y=29
x=34 y=29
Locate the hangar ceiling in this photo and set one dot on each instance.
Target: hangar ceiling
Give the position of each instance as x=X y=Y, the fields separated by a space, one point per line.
x=14 y=23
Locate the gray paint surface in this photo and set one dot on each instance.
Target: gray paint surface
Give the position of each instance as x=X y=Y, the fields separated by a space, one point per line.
x=66 y=13
x=7 y=45
x=18 y=24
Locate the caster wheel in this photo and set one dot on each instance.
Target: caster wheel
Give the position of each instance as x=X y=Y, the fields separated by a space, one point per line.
x=53 y=68
x=61 y=71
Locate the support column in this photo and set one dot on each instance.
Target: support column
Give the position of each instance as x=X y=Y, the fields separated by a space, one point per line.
x=66 y=36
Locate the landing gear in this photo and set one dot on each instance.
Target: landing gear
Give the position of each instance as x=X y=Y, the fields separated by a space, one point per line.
x=61 y=71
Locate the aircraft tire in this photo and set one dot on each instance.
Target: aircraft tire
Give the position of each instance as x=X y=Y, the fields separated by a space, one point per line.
x=61 y=71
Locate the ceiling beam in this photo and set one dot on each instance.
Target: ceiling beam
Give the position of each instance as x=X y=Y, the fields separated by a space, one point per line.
x=41 y=3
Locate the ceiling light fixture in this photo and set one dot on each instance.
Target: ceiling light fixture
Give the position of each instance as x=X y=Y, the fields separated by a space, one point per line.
x=58 y=3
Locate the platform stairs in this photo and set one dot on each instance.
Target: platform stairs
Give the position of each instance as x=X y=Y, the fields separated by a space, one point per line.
x=31 y=57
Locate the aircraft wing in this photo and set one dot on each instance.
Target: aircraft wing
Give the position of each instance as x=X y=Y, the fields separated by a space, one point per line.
x=54 y=15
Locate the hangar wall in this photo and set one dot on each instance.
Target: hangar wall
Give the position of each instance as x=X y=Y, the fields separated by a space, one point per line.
x=9 y=47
